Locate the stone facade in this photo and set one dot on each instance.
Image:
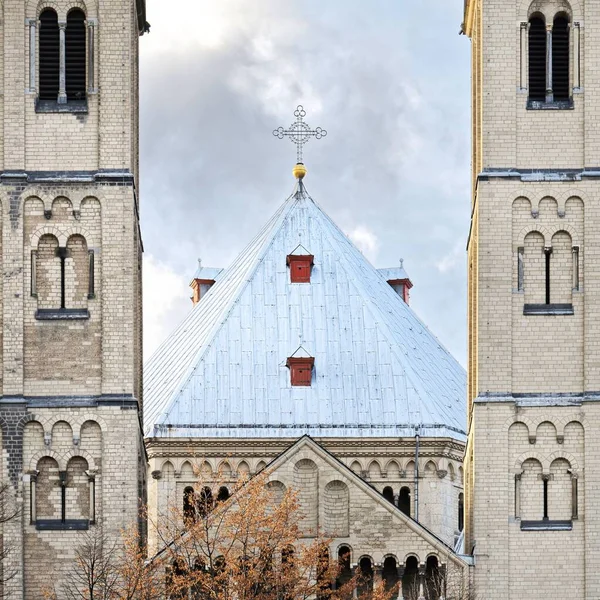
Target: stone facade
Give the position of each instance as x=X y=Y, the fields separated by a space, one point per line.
x=534 y=297
x=344 y=505
x=70 y=358
x=382 y=463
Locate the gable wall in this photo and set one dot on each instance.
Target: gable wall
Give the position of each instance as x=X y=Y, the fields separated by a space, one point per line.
x=382 y=463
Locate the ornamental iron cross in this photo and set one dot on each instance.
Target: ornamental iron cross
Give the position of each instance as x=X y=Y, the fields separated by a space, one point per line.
x=299 y=132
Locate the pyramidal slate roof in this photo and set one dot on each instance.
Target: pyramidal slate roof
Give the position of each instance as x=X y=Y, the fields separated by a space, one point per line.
x=378 y=370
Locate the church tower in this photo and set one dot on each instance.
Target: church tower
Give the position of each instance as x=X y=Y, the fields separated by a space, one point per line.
x=532 y=458
x=70 y=291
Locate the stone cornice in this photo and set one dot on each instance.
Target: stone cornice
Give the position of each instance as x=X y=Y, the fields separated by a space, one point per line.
x=237 y=448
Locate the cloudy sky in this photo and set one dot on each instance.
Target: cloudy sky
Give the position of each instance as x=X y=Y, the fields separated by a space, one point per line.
x=388 y=79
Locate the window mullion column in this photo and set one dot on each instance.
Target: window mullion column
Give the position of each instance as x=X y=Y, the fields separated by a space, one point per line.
x=91 y=30
x=523 y=76
x=576 y=57
x=549 y=91
x=32 y=53
x=62 y=79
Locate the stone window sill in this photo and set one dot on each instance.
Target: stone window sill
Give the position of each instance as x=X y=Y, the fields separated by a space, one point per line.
x=548 y=309
x=555 y=105
x=62 y=314
x=58 y=525
x=52 y=106
x=546 y=525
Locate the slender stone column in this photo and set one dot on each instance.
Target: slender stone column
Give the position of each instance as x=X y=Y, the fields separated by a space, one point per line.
x=421 y=581
x=518 y=495
x=574 y=497
x=62 y=79
x=523 y=69
x=32 y=53
x=32 y=496
x=576 y=56
x=91 y=25
x=92 y=486
x=549 y=91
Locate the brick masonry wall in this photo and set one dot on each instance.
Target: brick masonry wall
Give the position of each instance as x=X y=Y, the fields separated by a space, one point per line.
x=515 y=444
x=382 y=463
x=61 y=366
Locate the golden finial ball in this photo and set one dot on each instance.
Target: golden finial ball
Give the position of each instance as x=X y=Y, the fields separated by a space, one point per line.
x=299 y=171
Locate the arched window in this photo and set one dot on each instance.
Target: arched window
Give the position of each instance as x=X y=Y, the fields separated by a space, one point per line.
x=410 y=585
x=323 y=582
x=434 y=583
x=289 y=573
x=337 y=506
x=560 y=491
x=404 y=500
x=77 y=490
x=537 y=58
x=63 y=499
x=390 y=573
x=344 y=567
x=62 y=277
x=176 y=576
x=388 y=494
x=205 y=501
x=223 y=494
x=75 y=55
x=533 y=492
x=49 y=55
x=189 y=505
x=47 y=490
x=461 y=512
x=306 y=482
x=560 y=57
x=76 y=273
x=365 y=585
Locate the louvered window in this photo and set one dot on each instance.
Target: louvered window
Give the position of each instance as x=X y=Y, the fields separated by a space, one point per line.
x=49 y=55
x=537 y=59
x=75 y=55
x=560 y=58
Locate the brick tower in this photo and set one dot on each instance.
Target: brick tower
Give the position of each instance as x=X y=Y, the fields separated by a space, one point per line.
x=532 y=458
x=70 y=356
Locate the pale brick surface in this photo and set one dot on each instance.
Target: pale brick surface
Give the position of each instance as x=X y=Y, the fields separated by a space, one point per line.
x=69 y=387
x=521 y=430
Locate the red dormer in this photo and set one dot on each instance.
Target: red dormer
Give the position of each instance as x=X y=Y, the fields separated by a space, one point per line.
x=300 y=262
x=399 y=280
x=204 y=279
x=300 y=267
x=301 y=368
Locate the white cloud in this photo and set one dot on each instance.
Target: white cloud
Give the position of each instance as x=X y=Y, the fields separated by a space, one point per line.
x=166 y=301
x=455 y=258
x=366 y=241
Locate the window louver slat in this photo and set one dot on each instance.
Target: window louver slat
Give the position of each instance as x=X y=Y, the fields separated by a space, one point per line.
x=49 y=55
x=75 y=39
x=560 y=58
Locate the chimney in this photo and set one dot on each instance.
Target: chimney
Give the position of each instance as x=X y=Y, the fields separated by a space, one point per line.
x=204 y=279
x=399 y=280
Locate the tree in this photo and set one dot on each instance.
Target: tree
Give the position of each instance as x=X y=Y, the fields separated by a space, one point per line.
x=109 y=569
x=450 y=583
x=249 y=546
x=9 y=511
